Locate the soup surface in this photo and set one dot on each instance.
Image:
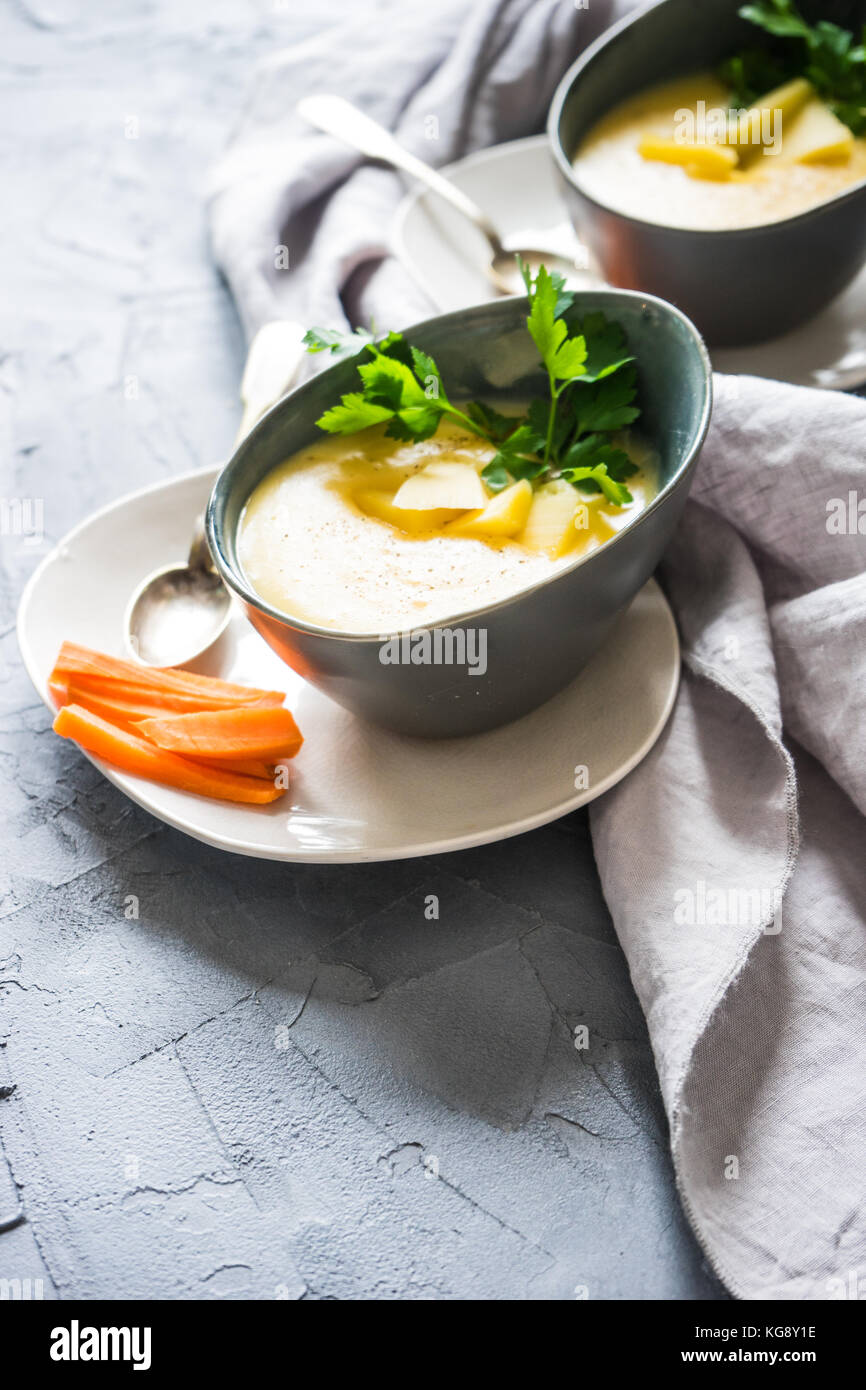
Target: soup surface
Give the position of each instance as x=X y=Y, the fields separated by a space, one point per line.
x=310 y=546
x=764 y=187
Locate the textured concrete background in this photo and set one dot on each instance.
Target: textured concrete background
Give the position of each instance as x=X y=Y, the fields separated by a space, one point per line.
x=272 y=1081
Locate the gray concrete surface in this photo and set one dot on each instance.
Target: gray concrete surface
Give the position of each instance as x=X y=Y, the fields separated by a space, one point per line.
x=273 y=1082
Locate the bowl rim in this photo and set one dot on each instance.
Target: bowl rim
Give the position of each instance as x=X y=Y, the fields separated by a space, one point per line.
x=566 y=168
x=234 y=578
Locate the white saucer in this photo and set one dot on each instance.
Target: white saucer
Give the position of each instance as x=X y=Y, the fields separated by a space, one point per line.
x=358 y=793
x=516 y=185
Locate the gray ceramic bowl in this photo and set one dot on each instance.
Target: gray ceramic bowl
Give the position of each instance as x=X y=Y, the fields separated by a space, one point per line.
x=538 y=640
x=738 y=286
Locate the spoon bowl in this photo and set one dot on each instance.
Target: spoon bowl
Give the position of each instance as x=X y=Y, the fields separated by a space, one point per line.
x=179 y=611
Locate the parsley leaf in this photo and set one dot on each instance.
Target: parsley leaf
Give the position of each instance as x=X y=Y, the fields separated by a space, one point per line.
x=426 y=369
x=598 y=479
x=595 y=449
x=496 y=475
x=337 y=343
x=518 y=455
x=607 y=350
x=595 y=465
x=493 y=422
x=390 y=382
x=778 y=17
x=564 y=298
x=402 y=388
x=563 y=356
x=413 y=423
x=751 y=74
x=608 y=403
x=353 y=413
x=825 y=53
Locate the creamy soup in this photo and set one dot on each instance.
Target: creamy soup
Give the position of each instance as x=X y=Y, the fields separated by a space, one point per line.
x=321 y=539
x=781 y=158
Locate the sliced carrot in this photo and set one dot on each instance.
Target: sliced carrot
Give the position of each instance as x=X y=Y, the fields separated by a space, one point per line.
x=129 y=717
x=124 y=712
x=135 y=755
x=247 y=732
x=76 y=661
x=151 y=699
x=248 y=767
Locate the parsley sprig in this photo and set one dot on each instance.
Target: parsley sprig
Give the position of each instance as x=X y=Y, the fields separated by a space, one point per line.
x=592 y=384
x=825 y=53
x=401 y=386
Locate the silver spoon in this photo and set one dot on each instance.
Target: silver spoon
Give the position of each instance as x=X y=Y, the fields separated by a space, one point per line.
x=338 y=117
x=178 y=611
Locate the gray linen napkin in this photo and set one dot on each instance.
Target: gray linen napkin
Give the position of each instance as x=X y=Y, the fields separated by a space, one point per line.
x=742 y=917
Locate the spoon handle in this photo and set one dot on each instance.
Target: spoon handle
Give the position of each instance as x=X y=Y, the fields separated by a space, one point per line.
x=273 y=363
x=340 y=118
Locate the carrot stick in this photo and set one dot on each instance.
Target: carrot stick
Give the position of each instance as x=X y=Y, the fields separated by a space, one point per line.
x=152 y=699
x=248 y=767
x=76 y=661
x=124 y=712
x=247 y=732
x=129 y=717
x=135 y=755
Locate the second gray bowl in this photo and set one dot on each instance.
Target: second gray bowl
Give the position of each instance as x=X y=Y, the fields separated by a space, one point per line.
x=738 y=286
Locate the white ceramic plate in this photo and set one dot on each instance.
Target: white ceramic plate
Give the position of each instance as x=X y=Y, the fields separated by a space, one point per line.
x=516 y=185
x=358 y=793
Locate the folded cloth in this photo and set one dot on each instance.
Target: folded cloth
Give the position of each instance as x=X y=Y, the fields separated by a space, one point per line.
x=447 y=78
x=743 y=928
